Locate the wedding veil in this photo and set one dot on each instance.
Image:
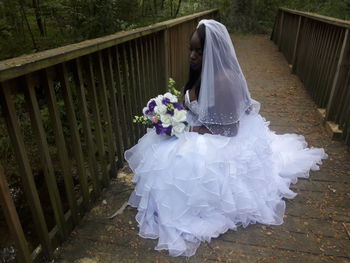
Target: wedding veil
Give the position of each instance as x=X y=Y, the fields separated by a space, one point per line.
x=224 y=96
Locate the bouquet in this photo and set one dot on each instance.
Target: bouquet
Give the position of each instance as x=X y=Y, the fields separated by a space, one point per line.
x=165 y=113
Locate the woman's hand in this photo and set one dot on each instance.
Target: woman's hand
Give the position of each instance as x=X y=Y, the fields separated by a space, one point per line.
x=201 y=129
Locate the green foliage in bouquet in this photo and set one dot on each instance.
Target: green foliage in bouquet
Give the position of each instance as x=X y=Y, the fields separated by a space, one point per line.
x=172 y=89
x=142 y=119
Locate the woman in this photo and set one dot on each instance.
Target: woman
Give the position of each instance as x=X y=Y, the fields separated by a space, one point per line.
x=229 y=170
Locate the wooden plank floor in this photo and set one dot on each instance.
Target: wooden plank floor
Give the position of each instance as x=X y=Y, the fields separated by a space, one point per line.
x=317 y=221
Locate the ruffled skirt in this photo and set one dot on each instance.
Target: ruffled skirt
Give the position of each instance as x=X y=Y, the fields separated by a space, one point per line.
x=196 y=187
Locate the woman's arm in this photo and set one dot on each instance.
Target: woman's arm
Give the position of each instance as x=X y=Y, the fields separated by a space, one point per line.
x=229 y=130
x=201 y=129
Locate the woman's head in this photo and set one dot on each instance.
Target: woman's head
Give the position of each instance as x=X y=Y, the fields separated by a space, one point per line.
x=224 y=94
x=197 y=43
x=196 y=48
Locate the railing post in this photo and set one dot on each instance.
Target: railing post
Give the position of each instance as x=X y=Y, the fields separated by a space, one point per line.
x=338 y=77
x=12 y=220
x=296 y=44
x=280 y=30
x=165 y=56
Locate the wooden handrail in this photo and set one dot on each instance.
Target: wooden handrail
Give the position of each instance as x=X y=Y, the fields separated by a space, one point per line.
x=318 y=17
x=12 y=68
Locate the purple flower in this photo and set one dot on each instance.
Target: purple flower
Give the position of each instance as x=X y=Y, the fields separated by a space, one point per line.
x=168 y=130
x=161 y=130
x=178 y=106
x=166 y=101
x=151 y=105
x=171 y=112
x=158 y=126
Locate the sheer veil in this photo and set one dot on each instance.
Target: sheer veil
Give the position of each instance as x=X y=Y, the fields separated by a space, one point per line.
x=224 y=96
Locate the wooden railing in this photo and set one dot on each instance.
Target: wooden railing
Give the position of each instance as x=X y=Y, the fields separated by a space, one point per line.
x=73 y=107
x=318 y=49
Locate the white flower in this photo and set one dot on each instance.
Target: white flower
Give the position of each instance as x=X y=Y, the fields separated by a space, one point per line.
x=166 y=120
x=178 y=129
x=179 y=116
x=171 y=97
x=144 y=110
x=161 y=109
x=158 y=100
x=149 y=102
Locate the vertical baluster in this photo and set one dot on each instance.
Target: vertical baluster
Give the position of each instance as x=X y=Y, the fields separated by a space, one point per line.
x=145 y=68
x=61 y=144
x=134 y=88
x=91 y=84
x=24 y=166
x=318 y=76
x=173 y=56
x=296 y=29
x=274 y=28
x=76 y=144
x=140 y=76
x=164 y=47
x=284 y=37
x=107 y=116
x=149 y=68
x=120 y=100
x=12 y=220
x=308 y=33
x=343 y=96
x=114 y=107
x=316 y=55
x=291 y=36
x=312 y=60
x=152 y=66
x=185 y=61
x=324 y=63
x=297 y=44
x=46 y=163
x=156 y=64
x=137 y=81
x=301 y=50
x=280 y=33
x=333 y=54
x=84 y=115
x=128 y=95
x=345 y=120
x=338 y=76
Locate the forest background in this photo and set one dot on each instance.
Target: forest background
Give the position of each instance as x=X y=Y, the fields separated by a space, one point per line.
x=28 y=26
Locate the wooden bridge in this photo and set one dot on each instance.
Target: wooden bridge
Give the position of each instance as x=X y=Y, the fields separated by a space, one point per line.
x=68 y=115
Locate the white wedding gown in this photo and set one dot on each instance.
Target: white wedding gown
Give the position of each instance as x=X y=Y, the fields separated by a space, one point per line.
x=196 y=187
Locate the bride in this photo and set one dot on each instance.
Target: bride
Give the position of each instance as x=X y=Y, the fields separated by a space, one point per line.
x=229 y=170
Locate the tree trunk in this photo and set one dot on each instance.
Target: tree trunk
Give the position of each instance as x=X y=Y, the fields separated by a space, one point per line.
x=39 y=20
x=155 y=6
x=143 y=7
x=178 y=8
x=27 y=23
x=171 y=7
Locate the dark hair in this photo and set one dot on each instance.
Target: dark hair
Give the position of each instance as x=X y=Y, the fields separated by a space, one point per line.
x=194 y=76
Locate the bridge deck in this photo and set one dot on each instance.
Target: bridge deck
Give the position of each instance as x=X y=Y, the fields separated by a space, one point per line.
x=317 y=221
